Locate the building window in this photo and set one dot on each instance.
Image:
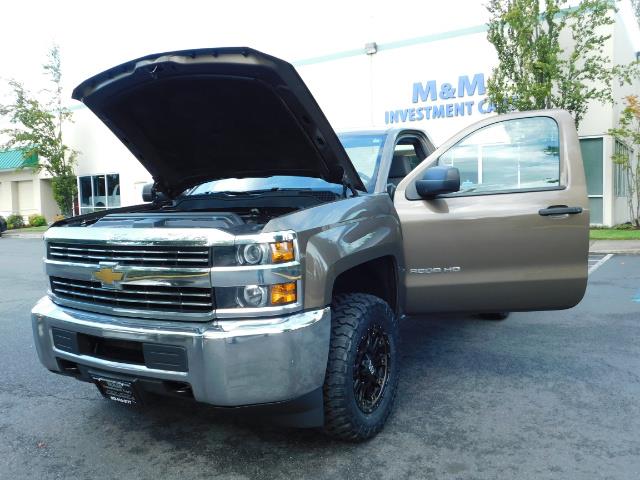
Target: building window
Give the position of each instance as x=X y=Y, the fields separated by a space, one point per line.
x=620 y=175
x=592 y=157
x=99 y=192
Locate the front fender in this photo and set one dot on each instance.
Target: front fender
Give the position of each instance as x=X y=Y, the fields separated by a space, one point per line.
x=339 y=249
x=337 y=236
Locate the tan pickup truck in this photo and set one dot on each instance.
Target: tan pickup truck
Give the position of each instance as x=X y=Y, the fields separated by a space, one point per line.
x=273 y=259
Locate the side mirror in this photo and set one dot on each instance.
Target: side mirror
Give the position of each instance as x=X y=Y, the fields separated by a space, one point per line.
x=150 y=195
x=438 y=180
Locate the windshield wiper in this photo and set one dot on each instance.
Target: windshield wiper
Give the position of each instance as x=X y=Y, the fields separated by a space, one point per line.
x=233 y=193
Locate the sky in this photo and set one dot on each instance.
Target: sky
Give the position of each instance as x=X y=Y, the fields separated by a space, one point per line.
x=94 y=36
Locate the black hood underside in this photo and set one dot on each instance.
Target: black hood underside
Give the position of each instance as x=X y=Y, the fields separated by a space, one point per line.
x=200 y=115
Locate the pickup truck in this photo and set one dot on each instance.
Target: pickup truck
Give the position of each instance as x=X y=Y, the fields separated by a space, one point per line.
x=273 y=261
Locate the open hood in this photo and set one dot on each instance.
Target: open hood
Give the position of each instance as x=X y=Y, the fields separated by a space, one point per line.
x=199 y=115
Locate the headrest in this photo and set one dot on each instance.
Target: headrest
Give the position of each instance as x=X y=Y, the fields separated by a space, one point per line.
x=400 y=165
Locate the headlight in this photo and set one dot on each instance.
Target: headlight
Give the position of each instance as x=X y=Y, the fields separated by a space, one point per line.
x=252 y=253
x=248 y=254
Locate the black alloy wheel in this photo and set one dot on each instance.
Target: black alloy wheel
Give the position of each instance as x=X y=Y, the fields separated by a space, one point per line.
x=371 y=369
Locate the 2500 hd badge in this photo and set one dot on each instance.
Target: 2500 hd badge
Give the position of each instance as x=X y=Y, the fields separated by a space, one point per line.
x=436 y=270
x=265 y=269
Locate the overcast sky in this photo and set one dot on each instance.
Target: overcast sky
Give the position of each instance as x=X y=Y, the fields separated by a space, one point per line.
x=94 y=36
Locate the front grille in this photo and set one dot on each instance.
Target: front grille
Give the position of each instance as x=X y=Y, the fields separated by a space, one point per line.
x=145 y=256
x=136 y=297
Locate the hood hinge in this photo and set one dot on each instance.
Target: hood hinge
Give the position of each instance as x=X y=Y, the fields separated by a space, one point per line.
x=346 y=185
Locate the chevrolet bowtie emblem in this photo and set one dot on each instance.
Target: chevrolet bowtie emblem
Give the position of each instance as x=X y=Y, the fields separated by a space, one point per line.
x=108 y=277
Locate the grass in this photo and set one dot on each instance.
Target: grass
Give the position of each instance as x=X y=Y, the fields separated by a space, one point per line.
x=29 y=229
x=613 y=234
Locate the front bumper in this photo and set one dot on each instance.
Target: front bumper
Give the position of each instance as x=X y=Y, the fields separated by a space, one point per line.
x=230 y=363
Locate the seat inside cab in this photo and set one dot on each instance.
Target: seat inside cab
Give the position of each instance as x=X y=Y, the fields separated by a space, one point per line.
x=407 y=155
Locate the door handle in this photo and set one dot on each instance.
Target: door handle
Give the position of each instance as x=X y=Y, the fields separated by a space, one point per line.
x=559 y=210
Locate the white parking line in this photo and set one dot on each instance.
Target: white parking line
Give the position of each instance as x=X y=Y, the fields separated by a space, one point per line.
x=598 y=262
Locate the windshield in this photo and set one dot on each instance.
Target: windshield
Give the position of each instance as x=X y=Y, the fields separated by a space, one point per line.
x=264 y=183
x=364 y=151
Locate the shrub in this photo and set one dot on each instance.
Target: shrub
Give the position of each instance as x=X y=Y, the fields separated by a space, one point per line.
x=37 y=220
x=15 y=221
x=625 y=226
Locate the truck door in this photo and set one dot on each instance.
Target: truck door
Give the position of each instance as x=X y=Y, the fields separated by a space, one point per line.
x=514 y=237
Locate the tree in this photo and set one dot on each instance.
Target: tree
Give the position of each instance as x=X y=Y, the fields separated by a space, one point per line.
x=628 y=132
x=38 y=130
x=635 y=4
x=535 y=72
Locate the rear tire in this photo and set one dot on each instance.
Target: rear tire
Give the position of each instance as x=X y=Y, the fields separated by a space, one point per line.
x=362 y=371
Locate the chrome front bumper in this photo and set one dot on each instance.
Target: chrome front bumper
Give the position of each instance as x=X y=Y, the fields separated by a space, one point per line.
x=230 y=362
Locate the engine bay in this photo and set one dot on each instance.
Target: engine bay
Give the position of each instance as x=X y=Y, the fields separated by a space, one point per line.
x=241 y=222
x=236 y=214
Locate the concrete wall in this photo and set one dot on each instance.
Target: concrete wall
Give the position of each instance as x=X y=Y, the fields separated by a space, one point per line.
x=102 y=153
x=49 y=208
x=623 y=53
x=25 y=192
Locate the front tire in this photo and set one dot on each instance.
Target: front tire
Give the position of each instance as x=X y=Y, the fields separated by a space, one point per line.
x=362 y=371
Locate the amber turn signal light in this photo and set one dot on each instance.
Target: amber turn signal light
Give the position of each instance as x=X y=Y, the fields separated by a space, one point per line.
x=282 y=252
x=283 y=293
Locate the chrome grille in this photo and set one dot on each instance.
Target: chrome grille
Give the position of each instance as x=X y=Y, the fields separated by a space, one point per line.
x=138 y=297
x=146 y=256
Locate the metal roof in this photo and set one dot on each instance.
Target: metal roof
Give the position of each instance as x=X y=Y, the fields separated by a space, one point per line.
x=12 y=159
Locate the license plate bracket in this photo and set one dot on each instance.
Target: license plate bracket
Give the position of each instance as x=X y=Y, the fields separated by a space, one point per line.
x=118 y=390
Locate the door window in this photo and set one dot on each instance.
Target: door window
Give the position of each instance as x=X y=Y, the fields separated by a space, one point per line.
x=521 y=154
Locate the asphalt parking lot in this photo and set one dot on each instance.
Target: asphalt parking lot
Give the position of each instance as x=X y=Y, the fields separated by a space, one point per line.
x=551 y=395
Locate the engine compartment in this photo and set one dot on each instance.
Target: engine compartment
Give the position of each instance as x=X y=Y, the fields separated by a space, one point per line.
x=236 y=214
x=238 y=222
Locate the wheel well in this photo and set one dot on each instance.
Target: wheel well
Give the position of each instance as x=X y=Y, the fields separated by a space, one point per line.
x=377 y=277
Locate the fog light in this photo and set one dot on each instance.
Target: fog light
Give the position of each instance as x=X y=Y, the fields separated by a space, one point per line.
x=254 y=296
x=282 y=252
x=283 y=293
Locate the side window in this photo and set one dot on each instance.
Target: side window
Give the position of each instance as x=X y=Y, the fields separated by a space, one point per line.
x=407 y=155
x=520 y=154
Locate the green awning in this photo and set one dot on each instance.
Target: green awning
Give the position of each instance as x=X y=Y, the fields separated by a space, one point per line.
x=12 y=159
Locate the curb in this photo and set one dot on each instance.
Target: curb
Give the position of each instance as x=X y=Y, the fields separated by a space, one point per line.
x=22 y=235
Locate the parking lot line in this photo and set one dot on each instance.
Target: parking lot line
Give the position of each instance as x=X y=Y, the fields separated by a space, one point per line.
x=596 y=261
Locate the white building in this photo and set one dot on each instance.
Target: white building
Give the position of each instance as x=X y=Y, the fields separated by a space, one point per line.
x=23 y=189
x=435 y=82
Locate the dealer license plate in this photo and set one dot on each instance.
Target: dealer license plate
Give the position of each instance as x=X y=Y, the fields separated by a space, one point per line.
x=121 y=391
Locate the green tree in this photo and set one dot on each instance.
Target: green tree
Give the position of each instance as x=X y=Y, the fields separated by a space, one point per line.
x=37 y=129
x=535 y=72
x=628 y=132
x=636 y=9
